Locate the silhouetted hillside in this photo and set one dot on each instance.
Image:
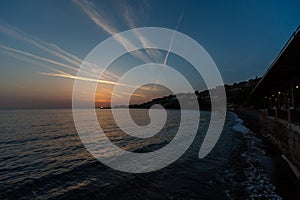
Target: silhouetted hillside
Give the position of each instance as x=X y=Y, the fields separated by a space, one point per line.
x=238 y=94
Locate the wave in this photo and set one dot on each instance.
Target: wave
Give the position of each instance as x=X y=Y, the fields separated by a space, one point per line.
x=239 y=127
x=246 y=175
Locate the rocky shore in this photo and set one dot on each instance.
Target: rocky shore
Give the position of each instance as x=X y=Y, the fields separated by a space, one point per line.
x=286 y=183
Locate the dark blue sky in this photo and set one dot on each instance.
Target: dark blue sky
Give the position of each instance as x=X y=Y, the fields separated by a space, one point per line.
x=243 y=38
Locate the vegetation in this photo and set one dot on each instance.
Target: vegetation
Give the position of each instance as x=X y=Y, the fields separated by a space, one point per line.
x=238 y=94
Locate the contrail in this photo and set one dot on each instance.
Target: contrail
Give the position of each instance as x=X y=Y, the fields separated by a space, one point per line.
x=39 y=57
x=170 y=46
x=66 y=75
x=92 y=12
x=73 y=61
x=172 y=40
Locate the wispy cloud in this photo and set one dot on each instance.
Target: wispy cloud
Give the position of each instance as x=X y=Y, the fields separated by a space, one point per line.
x=146 y=3
x=127 y=11
x=73 y=61
x=48 y=47
x=30 y=55
x=91 y=11
x=34 y=62
x=70 y=76
x=104 y=23
x=65 y=64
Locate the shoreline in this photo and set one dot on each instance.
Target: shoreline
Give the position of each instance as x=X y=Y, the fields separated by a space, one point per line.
x=280 y=171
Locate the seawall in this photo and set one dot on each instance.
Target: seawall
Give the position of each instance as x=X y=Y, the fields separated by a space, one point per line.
x=284 y=135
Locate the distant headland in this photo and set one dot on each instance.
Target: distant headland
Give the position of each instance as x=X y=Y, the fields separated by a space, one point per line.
x=238 y=94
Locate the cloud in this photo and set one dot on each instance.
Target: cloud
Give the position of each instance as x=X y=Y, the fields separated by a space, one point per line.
x=154 y=54
x=70 y=76
x=16 y=51
x=91 y=11
x=73 y=61
x=146 y=3
x=98 y=18
x=31 y=61
x=48 y=47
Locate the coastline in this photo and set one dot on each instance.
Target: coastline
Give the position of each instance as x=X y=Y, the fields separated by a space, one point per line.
x=281 y=174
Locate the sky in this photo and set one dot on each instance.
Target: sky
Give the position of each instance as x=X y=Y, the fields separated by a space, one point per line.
x=43 y=43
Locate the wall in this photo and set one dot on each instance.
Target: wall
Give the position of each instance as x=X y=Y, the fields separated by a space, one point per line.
x=284 y=135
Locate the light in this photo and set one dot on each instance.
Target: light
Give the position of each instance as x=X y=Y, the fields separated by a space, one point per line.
x=297 y=86
x=279 y=92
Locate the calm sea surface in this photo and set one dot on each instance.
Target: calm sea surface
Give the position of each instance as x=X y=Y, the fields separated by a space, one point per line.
x=42 y=157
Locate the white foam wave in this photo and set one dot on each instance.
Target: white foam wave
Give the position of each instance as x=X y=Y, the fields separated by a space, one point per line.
x=239 y=127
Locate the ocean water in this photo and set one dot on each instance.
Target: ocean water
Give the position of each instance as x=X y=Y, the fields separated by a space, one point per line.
x=42 y=157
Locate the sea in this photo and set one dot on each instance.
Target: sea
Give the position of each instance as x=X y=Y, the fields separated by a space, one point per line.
x=42 y=157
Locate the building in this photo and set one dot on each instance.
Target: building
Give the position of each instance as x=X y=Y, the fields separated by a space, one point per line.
x=280 y=89
x=280 y=85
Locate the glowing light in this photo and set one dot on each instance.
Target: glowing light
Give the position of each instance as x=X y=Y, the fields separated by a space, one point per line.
x=65 y=75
